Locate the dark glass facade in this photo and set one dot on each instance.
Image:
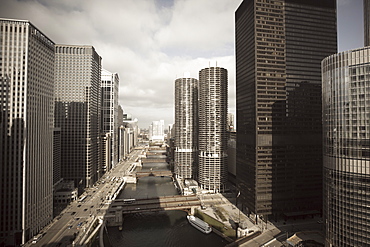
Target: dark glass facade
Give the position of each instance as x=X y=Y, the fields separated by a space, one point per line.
x=346 y=143
x=77 y=112
x=279 y=48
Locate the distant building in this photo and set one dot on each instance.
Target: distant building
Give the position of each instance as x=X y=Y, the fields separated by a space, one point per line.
x=279 y=48
x=213 y=84
x=156 y=131
x=346 y=138
x=231 y=156
x=65 y=192
x=57 y=157
x=186 y=128
x=367 y=22
x=26 y=131
x=106 y=151
x=128 y=134
x=231 y=122
x=109 y=117
x=77 y=112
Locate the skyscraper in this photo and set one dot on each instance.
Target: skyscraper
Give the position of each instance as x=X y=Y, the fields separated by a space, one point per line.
x=156 y=131
x=186 y=127
x=367 y=22
x=26 y=131
x=279 y=48
x=109 y=115
x=346 y=142
x=77 y=112
x=212 y=128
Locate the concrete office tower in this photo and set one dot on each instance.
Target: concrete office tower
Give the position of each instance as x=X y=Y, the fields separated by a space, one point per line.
x=109 y=116
x=367 y=22
x=77 y=112
x=26 y=131
x=346 y=142
x=186 y=127
x=212 y=128
x=279 y=48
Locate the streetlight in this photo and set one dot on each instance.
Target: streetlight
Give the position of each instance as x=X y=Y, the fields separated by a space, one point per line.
x=237 y=223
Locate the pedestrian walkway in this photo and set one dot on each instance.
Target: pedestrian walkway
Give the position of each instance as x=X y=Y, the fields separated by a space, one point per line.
x=221 y=209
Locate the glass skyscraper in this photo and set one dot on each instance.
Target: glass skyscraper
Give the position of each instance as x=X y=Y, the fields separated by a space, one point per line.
x=77 y=112
x=26 y=131
x=186 y=128
x=279 y=48
x=346 y=143
x=213 y=93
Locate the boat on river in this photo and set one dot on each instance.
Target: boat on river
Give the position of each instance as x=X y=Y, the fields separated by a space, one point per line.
x=199 y=224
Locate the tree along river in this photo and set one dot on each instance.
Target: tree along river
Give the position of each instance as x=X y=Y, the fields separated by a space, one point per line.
x=164 y=228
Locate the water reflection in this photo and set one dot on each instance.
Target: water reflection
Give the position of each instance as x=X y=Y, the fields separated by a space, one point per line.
x=148 y=187
x=166 y=228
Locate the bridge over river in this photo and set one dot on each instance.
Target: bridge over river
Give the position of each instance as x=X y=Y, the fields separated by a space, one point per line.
x=156 y=204
x=153 y=173
x=120 y=207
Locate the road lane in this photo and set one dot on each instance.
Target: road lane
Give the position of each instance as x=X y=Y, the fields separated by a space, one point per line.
x=95 y=204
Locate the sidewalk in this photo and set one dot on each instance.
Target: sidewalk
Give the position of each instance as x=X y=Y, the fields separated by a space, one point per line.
x=217 y=204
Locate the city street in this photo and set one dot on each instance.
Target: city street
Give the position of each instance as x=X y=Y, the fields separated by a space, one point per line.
x=79 y=215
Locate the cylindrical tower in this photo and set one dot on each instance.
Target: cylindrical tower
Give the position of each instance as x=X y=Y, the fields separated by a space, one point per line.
x=346 y=147
x=186 y=127
x=367 y=22
x=212 y=128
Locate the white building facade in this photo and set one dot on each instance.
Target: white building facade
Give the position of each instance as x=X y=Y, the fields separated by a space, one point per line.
x=156 y=131
x=109 y=117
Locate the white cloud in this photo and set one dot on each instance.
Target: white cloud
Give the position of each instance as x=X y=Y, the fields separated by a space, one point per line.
x=148 y=42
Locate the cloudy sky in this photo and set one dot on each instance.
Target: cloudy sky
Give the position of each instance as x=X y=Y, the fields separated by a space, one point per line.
x=150 y=43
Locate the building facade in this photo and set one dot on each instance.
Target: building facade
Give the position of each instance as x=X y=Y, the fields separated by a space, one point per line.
x=156 y=131
x=77 y=112
x=346 y=143
x=279 y=48
x=213 y=85
x=367 y=22
x=26 y=128
x=186 y=128
x=109 y=118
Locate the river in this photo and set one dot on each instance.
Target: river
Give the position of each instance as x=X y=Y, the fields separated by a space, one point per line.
x=162 y=229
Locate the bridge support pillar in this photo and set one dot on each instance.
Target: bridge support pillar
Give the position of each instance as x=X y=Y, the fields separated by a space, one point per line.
x=192 y=210
x=119 y=216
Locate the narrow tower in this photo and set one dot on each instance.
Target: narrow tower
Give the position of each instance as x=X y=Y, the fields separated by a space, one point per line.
x=212 y=128
x=186 y=127
x=109 y=118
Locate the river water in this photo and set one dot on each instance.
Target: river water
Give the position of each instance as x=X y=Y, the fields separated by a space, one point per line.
x=162 y=229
